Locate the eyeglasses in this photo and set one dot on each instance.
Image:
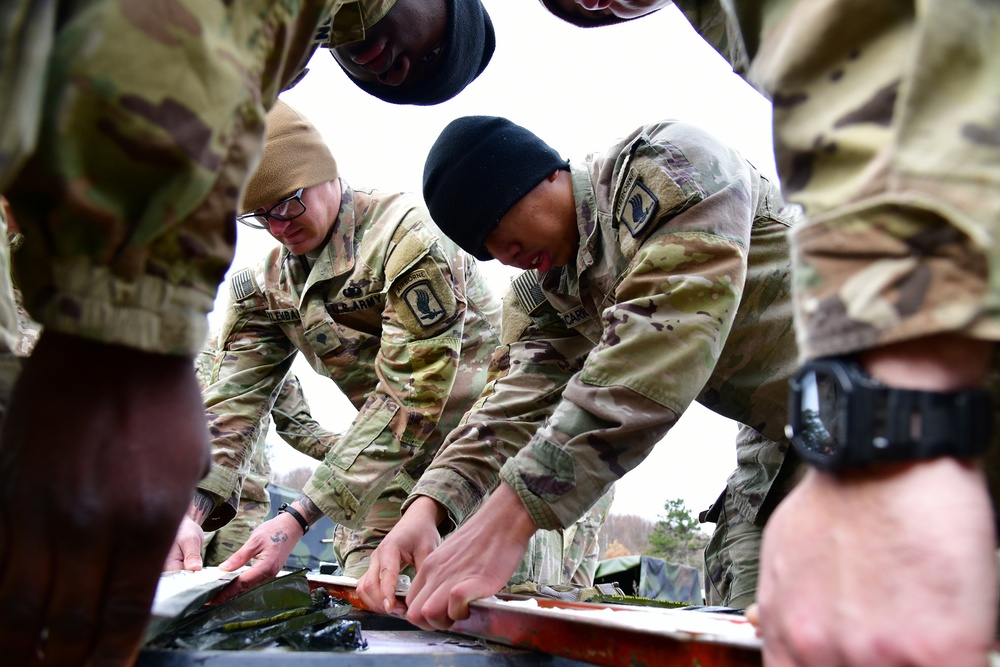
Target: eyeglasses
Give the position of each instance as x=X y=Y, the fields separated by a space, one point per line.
x=287 y=209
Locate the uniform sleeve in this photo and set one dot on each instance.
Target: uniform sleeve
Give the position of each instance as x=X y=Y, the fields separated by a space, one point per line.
x=253 y=358
x=129 y=197
x=687 y=204
x=417 y=367
x=295 y=424
x=540 y=357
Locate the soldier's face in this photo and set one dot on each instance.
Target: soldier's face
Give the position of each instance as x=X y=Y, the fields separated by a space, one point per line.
x=540 y=231
x=403 y=49
x=310 y=230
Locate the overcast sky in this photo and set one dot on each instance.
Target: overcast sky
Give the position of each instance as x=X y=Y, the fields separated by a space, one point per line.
x=578 y=89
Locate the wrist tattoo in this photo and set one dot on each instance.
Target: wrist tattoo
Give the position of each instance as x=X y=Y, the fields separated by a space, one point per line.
x=310 y=512
x=202 y=505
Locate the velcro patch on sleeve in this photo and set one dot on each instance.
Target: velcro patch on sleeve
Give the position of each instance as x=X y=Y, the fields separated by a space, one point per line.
x=528 y=291
x=423 y=299
x=243 y=285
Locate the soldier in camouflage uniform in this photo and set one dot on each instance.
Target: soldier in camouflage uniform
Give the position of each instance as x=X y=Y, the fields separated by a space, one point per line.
x=295 y=425
x=886 y=130
x=652 y=273
x=370 y=293
x=127 y=129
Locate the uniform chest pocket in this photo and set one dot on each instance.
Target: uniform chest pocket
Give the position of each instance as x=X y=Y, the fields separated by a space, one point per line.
x=371 y=422
x=322 y=338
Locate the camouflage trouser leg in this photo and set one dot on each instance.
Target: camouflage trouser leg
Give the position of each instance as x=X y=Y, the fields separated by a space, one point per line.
x=565 y=556
x=354 y=547
x=732 y=559
x=224 y=542
x=582 y=552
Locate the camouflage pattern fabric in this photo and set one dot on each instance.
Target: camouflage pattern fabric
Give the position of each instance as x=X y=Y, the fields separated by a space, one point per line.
x=294 y=424
x=683 y=269
x=731 y=563
x=398 y=317
x=223 y=543
x=653 y=578
x=886 y=130
x=566 y=556
x=290 y=407
x=127 y=129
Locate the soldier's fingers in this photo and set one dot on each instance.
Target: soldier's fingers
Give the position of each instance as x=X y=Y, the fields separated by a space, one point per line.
x=192 y=561
x=24 y=592
x=388 y=575
x=131 y=585
x=175 y=559
x=752 y=614
x=241 y=557
x=76 y=605
x=430 y=609
x=458 y=601
x=258 y=573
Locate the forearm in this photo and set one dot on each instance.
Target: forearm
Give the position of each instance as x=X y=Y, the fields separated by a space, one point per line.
x=935 y=363
x=583 y=449
x=201 y=507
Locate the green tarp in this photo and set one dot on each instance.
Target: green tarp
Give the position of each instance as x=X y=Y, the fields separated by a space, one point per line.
x=651 y=577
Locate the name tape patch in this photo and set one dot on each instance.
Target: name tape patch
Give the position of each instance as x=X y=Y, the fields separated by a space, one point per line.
x=573 y=317
x=284 y=315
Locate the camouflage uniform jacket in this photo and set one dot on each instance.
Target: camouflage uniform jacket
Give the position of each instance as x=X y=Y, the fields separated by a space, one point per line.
x=680 y=292
x=395 y=314
x=293 y=422
x=128 y=131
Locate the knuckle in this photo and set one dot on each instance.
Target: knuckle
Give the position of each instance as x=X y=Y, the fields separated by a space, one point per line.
x=20 y=611
x=125 y=613
x=72 y=626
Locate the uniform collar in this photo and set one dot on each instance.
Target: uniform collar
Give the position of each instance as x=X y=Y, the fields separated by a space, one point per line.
x=337 y=256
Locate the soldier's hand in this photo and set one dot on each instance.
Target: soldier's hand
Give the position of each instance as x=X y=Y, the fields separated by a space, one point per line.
x=881 y=569
x=185 y=553
x=474 y=563
x=106 y=444
x=269 y=546
x=409 y=542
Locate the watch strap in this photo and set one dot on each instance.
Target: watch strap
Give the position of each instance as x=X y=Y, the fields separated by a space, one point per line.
x=927 y=424
x=294 y=513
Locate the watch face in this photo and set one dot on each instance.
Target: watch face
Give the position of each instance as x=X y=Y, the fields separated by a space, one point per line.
x=821 y=398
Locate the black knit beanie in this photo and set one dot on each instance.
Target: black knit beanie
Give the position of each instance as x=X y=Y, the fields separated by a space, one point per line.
x=479 y=167
x=469 y=42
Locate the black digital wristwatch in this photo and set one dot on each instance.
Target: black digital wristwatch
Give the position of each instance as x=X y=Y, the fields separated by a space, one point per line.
x=842 y=419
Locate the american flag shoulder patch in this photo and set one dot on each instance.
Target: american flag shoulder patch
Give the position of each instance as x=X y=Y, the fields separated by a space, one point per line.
x=528 y=291
x=243 y=285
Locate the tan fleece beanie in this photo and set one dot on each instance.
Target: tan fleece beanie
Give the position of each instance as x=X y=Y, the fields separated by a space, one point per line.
x=295 y=156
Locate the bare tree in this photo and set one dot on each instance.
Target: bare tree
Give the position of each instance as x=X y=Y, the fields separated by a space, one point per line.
x=630 y=531
x=295 y=478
